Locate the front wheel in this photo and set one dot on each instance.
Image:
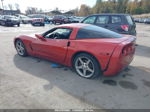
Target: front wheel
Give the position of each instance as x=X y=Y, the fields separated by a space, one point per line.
x=20 y=47
x=86 y=66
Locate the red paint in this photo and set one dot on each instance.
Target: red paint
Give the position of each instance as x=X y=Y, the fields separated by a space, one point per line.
x=112 y=54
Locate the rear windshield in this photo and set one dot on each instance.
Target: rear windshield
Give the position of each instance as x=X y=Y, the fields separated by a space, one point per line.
x=89 y=32
x=129 y=19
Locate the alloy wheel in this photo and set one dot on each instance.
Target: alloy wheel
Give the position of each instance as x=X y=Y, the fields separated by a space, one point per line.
x=84 y=67
x=20 y=48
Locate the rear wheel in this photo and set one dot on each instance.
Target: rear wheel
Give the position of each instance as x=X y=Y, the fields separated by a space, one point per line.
x=86 y=66
x=42 y=24
x=18 y=24
x=20 y=47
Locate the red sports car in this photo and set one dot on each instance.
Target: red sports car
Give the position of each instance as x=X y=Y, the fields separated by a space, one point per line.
x=90 y=50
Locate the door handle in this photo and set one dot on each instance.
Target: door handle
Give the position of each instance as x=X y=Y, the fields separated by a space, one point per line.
x=68 y=44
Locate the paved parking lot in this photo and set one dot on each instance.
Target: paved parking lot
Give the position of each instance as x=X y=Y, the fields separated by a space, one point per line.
x=31 y=83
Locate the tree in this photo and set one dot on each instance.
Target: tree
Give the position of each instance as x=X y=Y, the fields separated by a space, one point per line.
x=17 y=6
x=84 y=10
x=122 y=6
x=10 y=6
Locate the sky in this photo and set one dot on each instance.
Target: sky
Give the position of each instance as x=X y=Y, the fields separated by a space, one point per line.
x=50 y=4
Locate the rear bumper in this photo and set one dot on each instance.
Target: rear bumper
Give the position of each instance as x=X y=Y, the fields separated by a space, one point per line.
x=12 y=23
x=37 y=23
x=117 y=65
x=118 y=62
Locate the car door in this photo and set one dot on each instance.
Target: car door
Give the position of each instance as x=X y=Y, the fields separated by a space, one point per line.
x=53 y=47
x=103 y=21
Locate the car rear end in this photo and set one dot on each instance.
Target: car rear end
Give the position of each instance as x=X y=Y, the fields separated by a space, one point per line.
x=12 y=20
x=123 y=24
x=59 y=19
x=37 y=22
x=122 y=56
x=147 y=21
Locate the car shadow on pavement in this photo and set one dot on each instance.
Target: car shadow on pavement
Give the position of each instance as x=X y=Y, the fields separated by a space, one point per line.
x=143 y=51
x=122 y=91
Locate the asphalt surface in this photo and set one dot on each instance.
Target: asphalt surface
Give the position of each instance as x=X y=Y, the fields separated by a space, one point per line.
x=32 y=83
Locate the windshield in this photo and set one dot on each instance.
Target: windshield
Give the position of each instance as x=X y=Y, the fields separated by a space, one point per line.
x=10 y=17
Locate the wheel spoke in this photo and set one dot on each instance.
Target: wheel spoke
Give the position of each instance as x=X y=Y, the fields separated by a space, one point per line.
x=84 y=67
x=90 y=70
x=79 y=67
x=88 y=62
x=20 y=48
x=84 y=72
x=81 y=61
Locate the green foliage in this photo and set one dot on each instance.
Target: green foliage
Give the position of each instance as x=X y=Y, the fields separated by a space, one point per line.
x=116 y=6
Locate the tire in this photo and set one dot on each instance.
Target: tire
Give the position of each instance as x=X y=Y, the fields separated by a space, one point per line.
x=32 y=24
x=3 y=24
x=18 y=25
x=87 y=68
x=42 y=24
x=20 y=47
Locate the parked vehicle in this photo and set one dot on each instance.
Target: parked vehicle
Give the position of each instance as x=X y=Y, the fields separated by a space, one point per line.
x=59 y=19
x=120 y=23
x=137 y=20
x=50 y=18
x=91 y=50
x=37 y=20
x=141 y=20
x=24 y=19
x=147 y=21
x=79 y=18
x=44 y=17
x=8 y=20
x=73 y=20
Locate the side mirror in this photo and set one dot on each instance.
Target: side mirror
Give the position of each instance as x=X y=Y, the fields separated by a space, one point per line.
x=40 y=37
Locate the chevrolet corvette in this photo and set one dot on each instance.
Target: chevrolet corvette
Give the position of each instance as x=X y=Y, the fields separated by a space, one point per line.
x=91 y=50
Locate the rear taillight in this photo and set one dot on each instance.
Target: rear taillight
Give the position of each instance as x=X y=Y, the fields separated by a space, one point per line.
x=128 y=50
x=125 y=27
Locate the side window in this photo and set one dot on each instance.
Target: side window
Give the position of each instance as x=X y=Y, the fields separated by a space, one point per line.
x=59 y=33
x=102 y=20
x=90 y=32
x=115 y=19
x=129 y=19
x=90 y=20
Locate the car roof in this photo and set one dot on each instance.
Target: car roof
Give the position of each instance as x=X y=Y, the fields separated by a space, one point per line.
x=109 y=14
x=74 y=25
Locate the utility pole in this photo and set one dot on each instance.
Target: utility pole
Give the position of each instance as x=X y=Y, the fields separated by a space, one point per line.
x=2 y=6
